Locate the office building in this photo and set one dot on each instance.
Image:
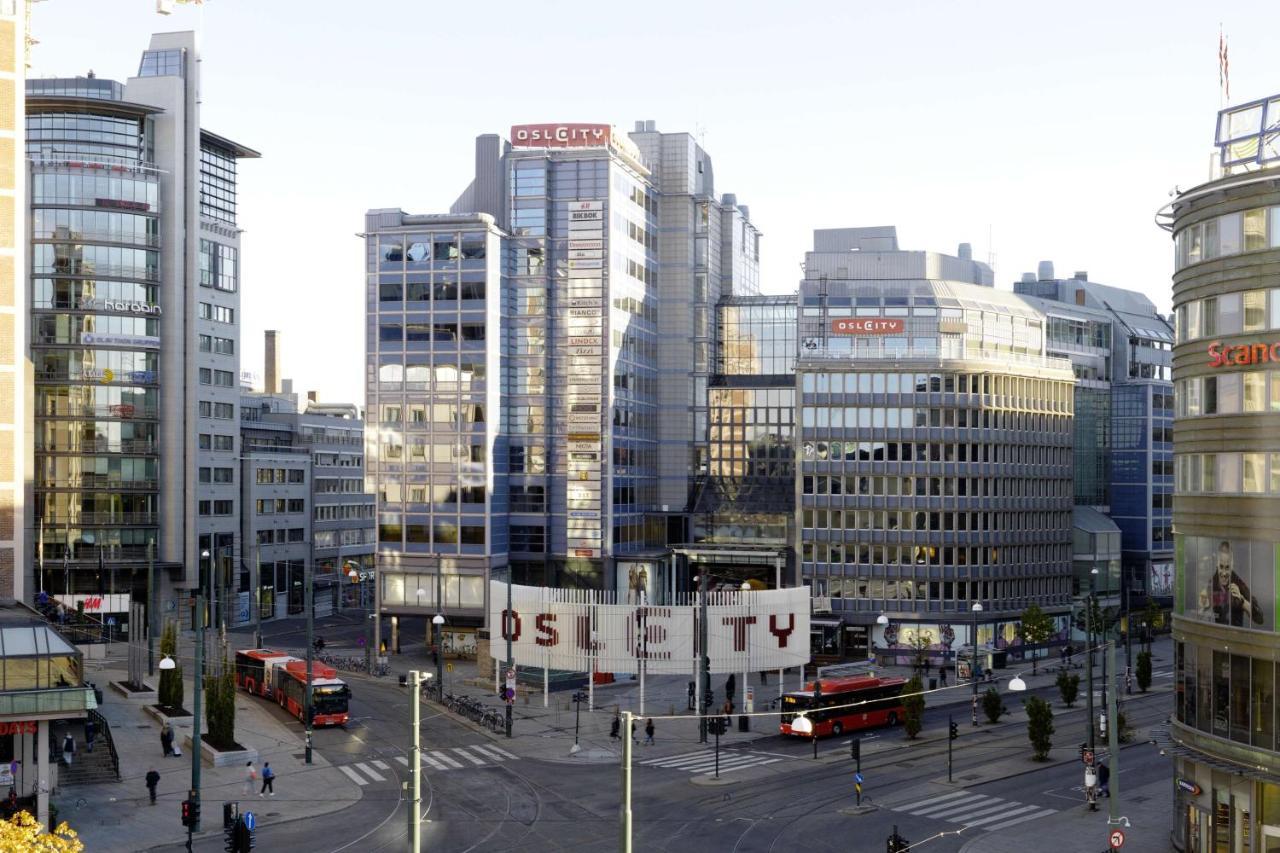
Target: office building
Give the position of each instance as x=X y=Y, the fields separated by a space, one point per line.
x=1120 y=349
x=135 y=320
x=1226 y=235
x=934 y=467
x=15 y=371
x=570 y=255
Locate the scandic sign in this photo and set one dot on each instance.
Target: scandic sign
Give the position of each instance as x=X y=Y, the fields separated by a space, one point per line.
x=1259 y=353
x=868 y=326
x=559 y=135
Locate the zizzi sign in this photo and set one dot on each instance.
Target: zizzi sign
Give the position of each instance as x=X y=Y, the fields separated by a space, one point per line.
x=868 y=326
x=1220 y=355
x=560 y=135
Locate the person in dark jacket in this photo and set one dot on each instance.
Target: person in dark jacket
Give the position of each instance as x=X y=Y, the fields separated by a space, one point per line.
x=613 y=728
x=166 y=740
x=1104 y=780
x=153 y=779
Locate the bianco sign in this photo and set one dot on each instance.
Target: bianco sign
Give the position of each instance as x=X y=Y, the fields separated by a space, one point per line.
x=553 y=627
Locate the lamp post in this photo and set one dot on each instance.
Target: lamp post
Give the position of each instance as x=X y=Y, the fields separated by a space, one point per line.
x=151 y=606
x=973 y=664
x=1090 y=602
x=308 y=599
x=744 y=720
x=883 y=621
x=207 y=555
x=437 y=622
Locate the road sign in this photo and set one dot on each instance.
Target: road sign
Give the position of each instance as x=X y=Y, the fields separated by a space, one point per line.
x=250 y=822
x=857 y=777
x=1088 y=757
x=1117 y=839
x=511 y=676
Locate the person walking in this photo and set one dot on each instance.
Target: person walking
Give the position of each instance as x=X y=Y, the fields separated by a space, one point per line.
x=1104 y=780
x=268 y=777
x=250 y=778
x=614 y=726
x=166 y=740
x=942 y=675
x=153 y=779
x=648 y=732
x=634 y=735
x=68 y=748
x=90 y=732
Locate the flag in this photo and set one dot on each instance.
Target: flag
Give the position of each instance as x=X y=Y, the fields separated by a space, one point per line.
x=1224 y=69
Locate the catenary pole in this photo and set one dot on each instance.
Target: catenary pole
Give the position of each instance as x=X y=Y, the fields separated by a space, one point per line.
x=624 y=818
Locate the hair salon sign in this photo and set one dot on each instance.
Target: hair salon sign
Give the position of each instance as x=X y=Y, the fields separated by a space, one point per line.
x=578 y=630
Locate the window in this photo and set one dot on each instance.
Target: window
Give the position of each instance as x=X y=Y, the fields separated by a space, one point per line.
x=224 y=411
x=223 y=507
x=205 y=409
x=206 y=376
x=224 y=475
x=224 y=442
x=218 y=265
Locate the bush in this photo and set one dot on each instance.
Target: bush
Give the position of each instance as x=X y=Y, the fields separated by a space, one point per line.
x=170 y=693
x=1040 y=727
x=1144 y=671
x=913 y=707
x=1068 y=687
x=220 y=712
x=1035 y=627
x=993 y=705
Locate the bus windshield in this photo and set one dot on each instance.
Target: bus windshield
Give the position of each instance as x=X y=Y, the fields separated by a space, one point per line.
x=330 y=698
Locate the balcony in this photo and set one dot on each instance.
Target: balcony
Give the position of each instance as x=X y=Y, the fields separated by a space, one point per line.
x=146 y=241
x=101 y=519
x=137 y=447
x=99 y=481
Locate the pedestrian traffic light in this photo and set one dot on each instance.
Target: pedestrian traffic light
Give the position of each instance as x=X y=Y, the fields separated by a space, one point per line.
x=855 y=749
x=190 y=813
x=954 y=731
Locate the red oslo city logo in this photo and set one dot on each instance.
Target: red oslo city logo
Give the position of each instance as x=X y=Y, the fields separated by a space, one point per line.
x=868 y=326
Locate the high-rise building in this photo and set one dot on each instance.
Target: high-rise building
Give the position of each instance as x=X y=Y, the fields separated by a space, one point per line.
x=1226 y=376
x=135 y=330
x=15 y=370
x=570 y=255
x=934 y=468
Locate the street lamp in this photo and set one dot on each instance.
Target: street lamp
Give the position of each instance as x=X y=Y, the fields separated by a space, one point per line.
x=744 y=720
x=1090 y=603
x=883 y=621
x=1016 y=683
x=973 y=664
x=437 y=622
x=167 y=663
x=207 y=555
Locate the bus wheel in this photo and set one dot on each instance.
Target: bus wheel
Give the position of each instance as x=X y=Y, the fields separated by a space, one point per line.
x=837 y=729
x=893 y=719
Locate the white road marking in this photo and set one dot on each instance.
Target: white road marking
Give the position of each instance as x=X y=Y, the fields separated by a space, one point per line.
x=352 y=775
x=370 y=772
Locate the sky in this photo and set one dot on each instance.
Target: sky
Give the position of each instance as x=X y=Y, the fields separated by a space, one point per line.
x=1032 y=132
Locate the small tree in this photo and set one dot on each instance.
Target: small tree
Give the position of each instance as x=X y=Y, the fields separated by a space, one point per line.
x=920 y=648
x=1153 y=617
x=23 y=832
x=1036 y=627
x=1068 y=687
x=1144 y=671
x=1040 y=727
x=220 y=712
x=913 y=707
x=170 y=692
x=993 y=705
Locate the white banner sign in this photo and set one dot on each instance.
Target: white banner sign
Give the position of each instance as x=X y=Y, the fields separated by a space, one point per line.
x=752 y=631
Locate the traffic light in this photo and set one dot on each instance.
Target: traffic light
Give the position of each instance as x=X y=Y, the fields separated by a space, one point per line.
x=954 y=731
x=244 y=837
x=855 y=749
x=190 y=813
x=718 y=725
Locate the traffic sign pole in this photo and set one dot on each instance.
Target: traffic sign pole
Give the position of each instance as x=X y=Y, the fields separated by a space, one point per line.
x=1116 y=840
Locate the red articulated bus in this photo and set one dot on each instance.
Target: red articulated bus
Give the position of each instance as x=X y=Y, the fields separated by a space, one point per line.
x=276 y=675
x=882 y=698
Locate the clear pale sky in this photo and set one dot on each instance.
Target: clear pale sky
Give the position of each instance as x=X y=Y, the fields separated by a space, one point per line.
x=1058 y=132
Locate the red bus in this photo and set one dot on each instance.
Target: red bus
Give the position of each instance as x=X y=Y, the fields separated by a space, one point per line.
x=276 y=675
x=882 y=698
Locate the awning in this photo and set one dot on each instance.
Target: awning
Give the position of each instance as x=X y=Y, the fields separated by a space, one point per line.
x=1165 y=740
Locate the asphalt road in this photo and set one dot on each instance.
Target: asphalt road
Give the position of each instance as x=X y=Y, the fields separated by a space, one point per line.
x=479 y=794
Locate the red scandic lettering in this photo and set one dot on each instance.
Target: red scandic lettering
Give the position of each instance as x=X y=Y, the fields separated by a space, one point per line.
x=739 y=624
x=543 y=625
x=1217 y=357
x=1261 y=354
x=583 y=632
x=1275 y=351
x=511 y=625
x=1240 y=354
x=782 y=633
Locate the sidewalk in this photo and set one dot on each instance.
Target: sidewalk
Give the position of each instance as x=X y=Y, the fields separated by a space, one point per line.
x=117 y=816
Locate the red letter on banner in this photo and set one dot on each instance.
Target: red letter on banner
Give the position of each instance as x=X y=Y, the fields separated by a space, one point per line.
x=739 y=624
x=782 y=633
x=542 y=623
x=511 y=626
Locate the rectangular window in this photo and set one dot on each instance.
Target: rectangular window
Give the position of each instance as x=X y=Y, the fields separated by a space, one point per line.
x=224 y=442
x=1255 y=310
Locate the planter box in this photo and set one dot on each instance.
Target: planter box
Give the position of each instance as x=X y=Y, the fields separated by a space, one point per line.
x=177 y=722
x=150 y=695
x=218 y=758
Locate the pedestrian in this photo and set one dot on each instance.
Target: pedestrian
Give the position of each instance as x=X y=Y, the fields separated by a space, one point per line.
x=153 y=779
x=648 y=732
x=942 y=675
x=268 y=777
x=613 y=728
x=90 y=732
x=1104 y=780
x=764 y=677
x=166 y=740
x=634 y=733
x=68 y=748
x=250 y=778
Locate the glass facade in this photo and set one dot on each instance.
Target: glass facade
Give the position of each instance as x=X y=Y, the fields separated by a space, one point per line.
x=95 y=335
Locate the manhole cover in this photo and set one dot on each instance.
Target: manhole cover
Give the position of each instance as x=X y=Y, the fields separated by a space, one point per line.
x=142 y=726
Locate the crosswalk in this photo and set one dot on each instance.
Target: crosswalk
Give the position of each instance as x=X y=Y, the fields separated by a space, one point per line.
x=704 y=761
x=976 y=810
x=453 y=758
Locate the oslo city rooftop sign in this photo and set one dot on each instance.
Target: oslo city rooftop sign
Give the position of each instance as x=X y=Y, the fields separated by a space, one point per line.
x=868 y=326
x=560 y=135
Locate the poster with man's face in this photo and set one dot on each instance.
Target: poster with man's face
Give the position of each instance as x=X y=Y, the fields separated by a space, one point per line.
x=1229 y=582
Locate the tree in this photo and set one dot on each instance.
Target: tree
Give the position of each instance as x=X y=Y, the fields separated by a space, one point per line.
x=170 y=693
x=920 y=647
x=993 y=705
x=1040 y=727
x=1068 y=687
x=220 y=690
x=1036 y=628
x=913 y=707
x=22 y=833
x=1144 y=671
x=1154 y=617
